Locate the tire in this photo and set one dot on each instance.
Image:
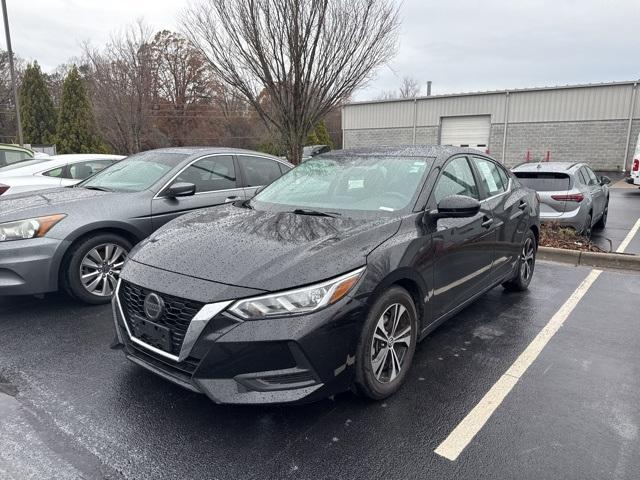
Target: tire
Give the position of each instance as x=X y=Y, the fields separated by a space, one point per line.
x=380 y=379
x=526 y=265
x=603 y=220
x=587 y=229
x=83 y=258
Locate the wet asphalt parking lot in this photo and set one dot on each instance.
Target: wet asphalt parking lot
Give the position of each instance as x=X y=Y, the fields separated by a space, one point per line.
x=72 y=408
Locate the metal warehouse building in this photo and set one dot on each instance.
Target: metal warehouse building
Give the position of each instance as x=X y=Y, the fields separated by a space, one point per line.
x=596 y=123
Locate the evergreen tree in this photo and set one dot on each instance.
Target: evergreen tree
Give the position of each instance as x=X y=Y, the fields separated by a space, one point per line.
x=76 y=123
x=319 y=135
x=36 y=107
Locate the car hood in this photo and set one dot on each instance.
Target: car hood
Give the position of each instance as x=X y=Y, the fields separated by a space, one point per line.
x=43 y=202
x=263 y=250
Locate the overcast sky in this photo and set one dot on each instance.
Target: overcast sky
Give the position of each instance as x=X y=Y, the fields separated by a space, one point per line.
x=461 y=45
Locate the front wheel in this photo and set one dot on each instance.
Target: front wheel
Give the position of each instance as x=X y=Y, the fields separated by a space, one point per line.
x=526 y=265
x=603 y=220
x=93 y=267
x=387 y=344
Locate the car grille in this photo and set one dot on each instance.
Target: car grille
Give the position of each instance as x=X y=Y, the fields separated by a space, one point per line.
x=177 y=315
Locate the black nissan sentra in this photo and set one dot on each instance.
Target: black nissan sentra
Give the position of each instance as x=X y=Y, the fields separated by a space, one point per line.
x=329 y=277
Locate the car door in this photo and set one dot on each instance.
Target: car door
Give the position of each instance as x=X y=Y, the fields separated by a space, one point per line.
x=598 y=198
x=216 y=183
x=258 y=171
x=509 y=209
x=463 y=247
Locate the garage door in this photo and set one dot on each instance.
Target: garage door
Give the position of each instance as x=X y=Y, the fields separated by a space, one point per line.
x=466 y=131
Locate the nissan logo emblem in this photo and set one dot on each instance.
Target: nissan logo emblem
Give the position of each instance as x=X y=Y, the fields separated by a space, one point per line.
x=153 y=306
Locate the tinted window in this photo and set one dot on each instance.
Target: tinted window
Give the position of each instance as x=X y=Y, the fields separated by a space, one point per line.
x=456 y=179
x=258 y=171
x=545 y=181
x=210 y=174
x=593 y=180
x=490 y=177
x=82 y=170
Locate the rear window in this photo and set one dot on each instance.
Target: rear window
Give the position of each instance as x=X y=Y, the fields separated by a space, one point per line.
x=545 y=181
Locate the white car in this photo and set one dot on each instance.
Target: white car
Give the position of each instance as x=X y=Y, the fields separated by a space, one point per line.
x=51 y=172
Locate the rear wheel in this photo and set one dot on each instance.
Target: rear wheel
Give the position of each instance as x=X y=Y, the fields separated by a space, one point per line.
x=93 y=267
x=588 y=228
x=526 y=265
x=603 y=220
x=387 y=344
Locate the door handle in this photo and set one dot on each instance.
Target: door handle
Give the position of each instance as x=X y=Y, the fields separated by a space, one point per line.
x=487 y=222
x=522 y=205
x=230 y=199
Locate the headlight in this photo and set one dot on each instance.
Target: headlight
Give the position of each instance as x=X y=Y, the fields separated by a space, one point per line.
x=295 y=302
x=29 y=228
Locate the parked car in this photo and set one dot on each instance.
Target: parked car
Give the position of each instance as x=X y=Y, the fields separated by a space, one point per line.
x=329 y=277
x=311 y=151
x=77 y=238
x=10 y=154
x=634 y=175
x=50 y=172
x=570 y=194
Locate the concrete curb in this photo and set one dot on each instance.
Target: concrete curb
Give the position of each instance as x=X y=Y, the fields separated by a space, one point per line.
x=618 y=261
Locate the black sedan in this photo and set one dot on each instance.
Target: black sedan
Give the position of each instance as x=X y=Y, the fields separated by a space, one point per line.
x=78 y=238
x=329 y=277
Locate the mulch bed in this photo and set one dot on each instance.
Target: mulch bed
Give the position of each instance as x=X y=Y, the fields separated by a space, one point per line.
x=556 y=236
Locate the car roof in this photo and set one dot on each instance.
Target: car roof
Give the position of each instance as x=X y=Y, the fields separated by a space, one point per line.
x=85 y=156
x=437 y=151
x=11 y=147
x=547 y=166
x=200 y=151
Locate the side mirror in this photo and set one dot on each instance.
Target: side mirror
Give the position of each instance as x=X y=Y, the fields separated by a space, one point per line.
x=604 y=180
x=456 y=206
x=181 y=189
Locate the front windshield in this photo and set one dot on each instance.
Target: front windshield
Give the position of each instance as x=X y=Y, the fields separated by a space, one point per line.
x=24 y=163
x=135 y=173
x=373 y=184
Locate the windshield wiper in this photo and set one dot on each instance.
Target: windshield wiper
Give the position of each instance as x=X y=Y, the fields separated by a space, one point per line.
x=101 y=189
x=317 y=213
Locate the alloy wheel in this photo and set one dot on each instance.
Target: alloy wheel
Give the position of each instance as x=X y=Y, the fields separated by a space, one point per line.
x=390 y=343
x=527 y=259
x=100 y=268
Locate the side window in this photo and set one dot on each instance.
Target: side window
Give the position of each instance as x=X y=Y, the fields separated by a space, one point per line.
x=593 y=180
x=504 y=176
x=283 y=168
x=56 y=172
x=490 y=176
x=259 y=171
x=210 y=174
x=82 y=170
x=584 y=178
x=456 y=179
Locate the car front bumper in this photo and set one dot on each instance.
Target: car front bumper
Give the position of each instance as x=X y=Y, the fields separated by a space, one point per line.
x=282 y=360
x=29 y=267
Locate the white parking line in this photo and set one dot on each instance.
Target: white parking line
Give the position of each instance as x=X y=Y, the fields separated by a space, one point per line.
x=462 y=435
x=627 y=240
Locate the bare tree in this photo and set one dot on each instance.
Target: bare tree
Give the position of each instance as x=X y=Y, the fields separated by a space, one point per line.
x=410 y=88
x=308 y=55
x=122 y=79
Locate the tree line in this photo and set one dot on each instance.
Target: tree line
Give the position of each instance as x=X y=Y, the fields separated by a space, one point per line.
x=267 y=74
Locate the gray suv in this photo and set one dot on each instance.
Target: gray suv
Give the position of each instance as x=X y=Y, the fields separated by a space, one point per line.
x=570 y=193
